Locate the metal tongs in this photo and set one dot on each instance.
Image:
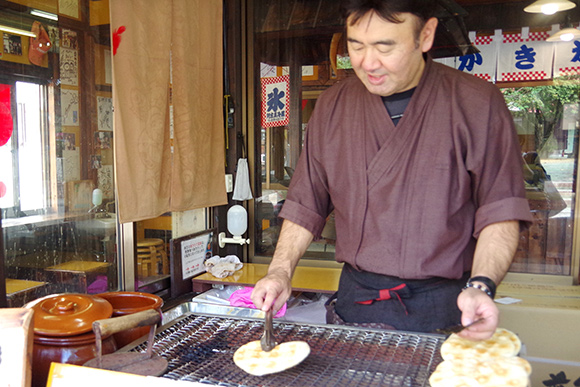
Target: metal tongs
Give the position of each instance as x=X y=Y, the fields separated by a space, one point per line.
x=268 y=340
x=458 y=328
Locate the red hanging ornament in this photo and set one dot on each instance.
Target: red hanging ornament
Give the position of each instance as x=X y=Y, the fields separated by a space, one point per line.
x=6 y=124
x=117 y=38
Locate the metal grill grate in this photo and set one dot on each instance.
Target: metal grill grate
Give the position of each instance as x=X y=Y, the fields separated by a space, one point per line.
x=200 y=348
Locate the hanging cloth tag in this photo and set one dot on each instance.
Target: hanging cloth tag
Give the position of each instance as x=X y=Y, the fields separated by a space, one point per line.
x=242 y=189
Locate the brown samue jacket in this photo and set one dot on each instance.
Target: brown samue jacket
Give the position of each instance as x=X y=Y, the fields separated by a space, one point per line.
x=410 y=200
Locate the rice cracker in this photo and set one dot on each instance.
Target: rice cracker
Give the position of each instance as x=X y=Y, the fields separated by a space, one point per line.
x=250 y=357
x=497 y=372
x=491 y=362
x=502 y=343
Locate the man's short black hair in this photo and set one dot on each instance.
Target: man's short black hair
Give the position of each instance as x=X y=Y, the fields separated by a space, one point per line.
x=389 y=9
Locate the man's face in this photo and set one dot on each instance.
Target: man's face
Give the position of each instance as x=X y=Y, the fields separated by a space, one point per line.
x=388 y=57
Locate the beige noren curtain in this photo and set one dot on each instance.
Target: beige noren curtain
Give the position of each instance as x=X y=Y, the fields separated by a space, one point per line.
x=151 y=180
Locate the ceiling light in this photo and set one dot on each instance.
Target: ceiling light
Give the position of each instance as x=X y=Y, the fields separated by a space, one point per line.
x=17 y=31
x=46 y=15
x=549 y=7
x=565 y=35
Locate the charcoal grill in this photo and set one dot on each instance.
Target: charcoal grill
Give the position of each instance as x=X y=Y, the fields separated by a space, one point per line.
x=200 y=348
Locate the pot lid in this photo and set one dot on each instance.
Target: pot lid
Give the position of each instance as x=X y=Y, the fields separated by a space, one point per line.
x=131 y=302
x=68 y=314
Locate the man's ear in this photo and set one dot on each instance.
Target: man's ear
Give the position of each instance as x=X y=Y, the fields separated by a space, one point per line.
x=428 y=34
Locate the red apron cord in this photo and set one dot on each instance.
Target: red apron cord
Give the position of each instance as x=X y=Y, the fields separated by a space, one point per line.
x=387 y=294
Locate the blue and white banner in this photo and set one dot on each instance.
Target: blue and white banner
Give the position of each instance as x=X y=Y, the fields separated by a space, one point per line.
x=566 y=58
x=525 y=56
x=514 y=57
x=483 y=64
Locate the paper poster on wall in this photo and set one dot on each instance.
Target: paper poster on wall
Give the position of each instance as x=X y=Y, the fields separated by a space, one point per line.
x=108 y=67
x=525 y=56
x=275 y=101
x=194 y=252
x=96 y=162
x=105 y=113
x=267 y=70
x=69 y=8
x=71 y=165
x=69 y=71
x=12 y=44
x=54 y=36
x=69 y=39
x=103 y=140
x=65 y=141
x=69 y=107
x=105 y=181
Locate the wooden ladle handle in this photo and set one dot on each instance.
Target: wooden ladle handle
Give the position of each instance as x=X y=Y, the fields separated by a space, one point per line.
x=113 y=325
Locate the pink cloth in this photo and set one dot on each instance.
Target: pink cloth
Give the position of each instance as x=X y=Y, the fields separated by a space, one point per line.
x=242 y=298
x=100 y=285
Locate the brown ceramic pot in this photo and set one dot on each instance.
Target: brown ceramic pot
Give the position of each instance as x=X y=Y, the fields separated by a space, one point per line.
x=125 y=303
x=63 y=331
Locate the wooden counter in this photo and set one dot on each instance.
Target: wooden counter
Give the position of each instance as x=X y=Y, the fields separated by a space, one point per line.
x=18 y=285
x=19 y=292
x=306 y=279
x=76 y=276
x=79 y=266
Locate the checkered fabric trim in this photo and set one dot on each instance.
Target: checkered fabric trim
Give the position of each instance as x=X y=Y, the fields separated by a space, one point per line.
x=483 y=40
x=569 y=71
x=512 y=38
x=532 y=37
x=485 y=77
x=523 y=76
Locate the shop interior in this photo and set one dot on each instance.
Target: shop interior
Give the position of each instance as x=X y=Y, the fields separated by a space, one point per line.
x=62 y=231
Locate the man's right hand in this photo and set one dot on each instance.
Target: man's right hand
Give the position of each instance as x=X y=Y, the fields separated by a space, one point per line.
x=272 y=291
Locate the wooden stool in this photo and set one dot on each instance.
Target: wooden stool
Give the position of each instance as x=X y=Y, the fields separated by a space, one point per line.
x=143 y=267
x=151 y=257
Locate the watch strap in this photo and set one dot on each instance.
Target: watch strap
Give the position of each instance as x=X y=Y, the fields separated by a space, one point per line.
x=486 y=281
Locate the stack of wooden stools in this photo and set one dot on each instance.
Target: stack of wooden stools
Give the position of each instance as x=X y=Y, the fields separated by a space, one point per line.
x=151 y=257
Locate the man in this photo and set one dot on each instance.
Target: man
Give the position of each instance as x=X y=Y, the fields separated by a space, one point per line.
x=422 y=167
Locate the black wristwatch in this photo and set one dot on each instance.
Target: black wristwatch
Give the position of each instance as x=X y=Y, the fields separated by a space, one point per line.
x=488 y=289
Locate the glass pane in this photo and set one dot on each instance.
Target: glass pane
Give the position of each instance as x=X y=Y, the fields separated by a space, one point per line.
x=57 y=194
x=153 y=252
x=546 y=119
x=6 y=154
x=29 y=99
x=301 y=54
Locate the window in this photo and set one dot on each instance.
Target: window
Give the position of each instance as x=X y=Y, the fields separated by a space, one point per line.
x=298 y=39
x=546 y=118
x=59 y=231
x=25 y=155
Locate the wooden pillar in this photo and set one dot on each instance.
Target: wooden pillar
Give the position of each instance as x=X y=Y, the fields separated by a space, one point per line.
x=277 y=151
x=3 y=301
x=295 y=126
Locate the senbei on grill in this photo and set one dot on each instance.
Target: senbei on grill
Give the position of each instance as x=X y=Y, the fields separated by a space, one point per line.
x=200 y=348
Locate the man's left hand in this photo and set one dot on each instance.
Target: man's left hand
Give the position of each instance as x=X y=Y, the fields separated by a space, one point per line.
x=475 y=304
